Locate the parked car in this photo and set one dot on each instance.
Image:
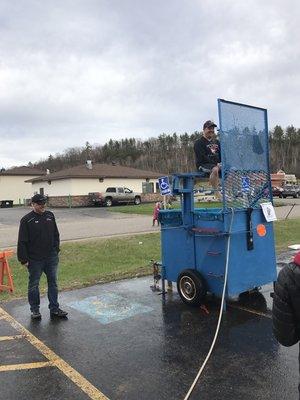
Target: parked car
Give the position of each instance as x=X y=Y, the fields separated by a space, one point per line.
x=277 y=191
x=290 y=190
x=114 y=195
x=6 y=203
x=205 y=196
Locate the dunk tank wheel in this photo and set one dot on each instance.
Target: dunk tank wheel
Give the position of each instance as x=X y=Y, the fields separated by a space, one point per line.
x=191 y=287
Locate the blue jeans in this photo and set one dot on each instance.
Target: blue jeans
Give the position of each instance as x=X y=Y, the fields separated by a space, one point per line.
x=36 y=268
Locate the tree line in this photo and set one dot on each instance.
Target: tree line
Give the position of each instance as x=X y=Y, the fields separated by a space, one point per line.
x=169 y=153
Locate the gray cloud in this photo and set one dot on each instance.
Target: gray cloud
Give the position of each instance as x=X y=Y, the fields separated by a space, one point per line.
x=77 y=71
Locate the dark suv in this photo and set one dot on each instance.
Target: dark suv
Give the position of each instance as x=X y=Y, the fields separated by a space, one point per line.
x=277 y=191
x=290 y=190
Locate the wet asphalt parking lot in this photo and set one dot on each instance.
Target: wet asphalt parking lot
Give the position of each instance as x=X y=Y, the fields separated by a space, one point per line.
x=123 y=341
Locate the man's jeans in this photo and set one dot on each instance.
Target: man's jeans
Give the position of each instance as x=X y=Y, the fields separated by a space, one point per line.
x=36 y=268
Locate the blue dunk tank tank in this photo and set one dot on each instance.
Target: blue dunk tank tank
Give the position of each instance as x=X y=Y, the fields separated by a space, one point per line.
x=197 y=243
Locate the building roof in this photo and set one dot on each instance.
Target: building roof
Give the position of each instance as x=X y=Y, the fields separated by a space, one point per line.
x=98 y=171
x=22 y=171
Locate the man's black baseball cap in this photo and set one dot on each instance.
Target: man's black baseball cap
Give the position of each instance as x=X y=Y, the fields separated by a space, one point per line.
x=39 y=199
x=209 y=124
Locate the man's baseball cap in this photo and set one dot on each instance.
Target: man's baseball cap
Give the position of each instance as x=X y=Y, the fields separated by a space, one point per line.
x=209 y=124
x=39 y=199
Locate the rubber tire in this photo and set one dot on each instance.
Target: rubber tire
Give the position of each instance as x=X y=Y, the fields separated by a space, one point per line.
x=196 y=283
x=296 y=196
x=137 y=200
x=108 y=202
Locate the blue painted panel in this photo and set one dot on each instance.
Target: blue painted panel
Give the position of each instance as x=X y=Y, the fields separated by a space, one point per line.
x=109 y=307
x=180 y=254
x=248 y=269
x=210 y=261
x=183 y=247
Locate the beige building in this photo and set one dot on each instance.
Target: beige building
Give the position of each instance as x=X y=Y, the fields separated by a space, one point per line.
x=74 y=184
x=13 y=184
x=281 y=178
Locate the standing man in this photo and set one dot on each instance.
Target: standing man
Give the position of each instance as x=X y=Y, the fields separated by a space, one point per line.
x=286 y=305
x=208 y=153
x=38 y=248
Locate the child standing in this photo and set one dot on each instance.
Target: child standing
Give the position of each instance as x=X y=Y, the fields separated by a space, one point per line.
x=155 y=214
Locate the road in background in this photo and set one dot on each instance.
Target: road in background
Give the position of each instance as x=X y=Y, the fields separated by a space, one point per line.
x=78 y=223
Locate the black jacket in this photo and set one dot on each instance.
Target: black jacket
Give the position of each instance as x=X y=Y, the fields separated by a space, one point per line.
x=207 y=152
x=286 y=306
x=38 y=236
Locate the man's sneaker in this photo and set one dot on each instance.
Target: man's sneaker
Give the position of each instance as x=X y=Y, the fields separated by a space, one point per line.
x=36 y=315
x=58 y=313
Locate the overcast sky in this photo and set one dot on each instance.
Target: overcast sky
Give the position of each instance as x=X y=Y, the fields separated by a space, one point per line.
x=73 y=71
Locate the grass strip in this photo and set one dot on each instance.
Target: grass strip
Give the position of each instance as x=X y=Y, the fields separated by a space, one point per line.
x=286 y=232
x=147 y=208
x=96 y=261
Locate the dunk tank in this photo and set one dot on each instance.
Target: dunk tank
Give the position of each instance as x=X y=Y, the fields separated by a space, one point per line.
x=197 y=243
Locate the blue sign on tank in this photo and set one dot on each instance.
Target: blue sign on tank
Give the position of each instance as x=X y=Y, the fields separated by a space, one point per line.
x=164 y=185
x=245 y=184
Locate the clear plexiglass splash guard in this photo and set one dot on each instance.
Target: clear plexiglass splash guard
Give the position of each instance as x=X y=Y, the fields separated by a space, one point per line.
x=243 y=137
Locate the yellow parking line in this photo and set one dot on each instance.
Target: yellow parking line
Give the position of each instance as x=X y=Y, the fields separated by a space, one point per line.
x=55 y=360
x=249 y=310
x=18 y=367
x=2 y=338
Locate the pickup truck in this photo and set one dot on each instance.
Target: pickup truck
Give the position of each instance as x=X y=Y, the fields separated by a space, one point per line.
x=114 y=195
x=290 y=190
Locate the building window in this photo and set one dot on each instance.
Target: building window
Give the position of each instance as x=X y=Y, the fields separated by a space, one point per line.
x=42 y=191
x=147 y=187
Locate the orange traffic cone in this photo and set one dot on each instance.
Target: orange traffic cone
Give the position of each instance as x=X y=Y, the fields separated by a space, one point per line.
x=5 y=271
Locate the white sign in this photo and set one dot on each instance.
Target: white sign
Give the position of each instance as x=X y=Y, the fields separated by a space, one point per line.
x=164 y=185
x=269 y=211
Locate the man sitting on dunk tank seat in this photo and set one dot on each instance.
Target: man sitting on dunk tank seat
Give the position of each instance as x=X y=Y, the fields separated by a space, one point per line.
x=208 y=154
